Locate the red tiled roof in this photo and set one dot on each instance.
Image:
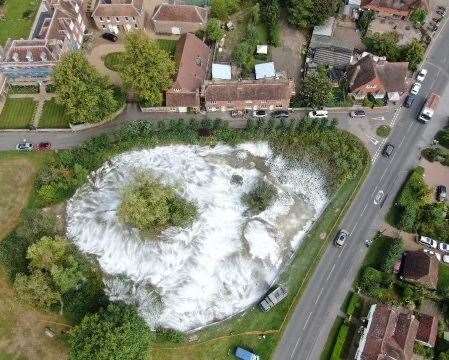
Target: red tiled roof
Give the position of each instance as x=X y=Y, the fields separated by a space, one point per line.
x=417 y=266
x=119 y=8
x=428 y=328
x=181 y=13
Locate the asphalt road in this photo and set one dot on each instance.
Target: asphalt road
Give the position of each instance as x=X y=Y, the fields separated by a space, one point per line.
x=309 y=326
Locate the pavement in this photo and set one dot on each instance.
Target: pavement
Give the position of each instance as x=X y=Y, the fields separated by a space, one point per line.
x=312 y=319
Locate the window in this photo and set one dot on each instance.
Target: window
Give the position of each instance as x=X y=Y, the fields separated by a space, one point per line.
x=135 y=25
x=134 y=18
x=101 y=18
x=117 y=18
x=103 y=26
x=126 y=18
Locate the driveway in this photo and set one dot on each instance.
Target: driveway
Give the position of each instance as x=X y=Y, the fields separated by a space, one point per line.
x=435 y=174
x=96 y=55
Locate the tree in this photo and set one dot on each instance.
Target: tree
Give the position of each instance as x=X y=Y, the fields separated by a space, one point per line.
x=221 y=9
x=364 y=21
x=316 y=90
x=149 y=69
x=260 y=197
x=443 y=356
x=443 y=138
x=47 y=252
x=214 y=32
x=418 y=17
x=391 y=255
x=384 y=44
x=414 y=54
x=118 y=333
x=307 y=13
x=271 y=13
x=86 y=95
x=36 y=289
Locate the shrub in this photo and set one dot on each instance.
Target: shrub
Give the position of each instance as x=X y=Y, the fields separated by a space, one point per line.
x=260 y=197
x=392 y=254
x=418 y=17
x=354 y=305
x=443 y=138
x=383 y=131
x=214 y=32
x=338 y=352
x=169 y=336
x=152 y=207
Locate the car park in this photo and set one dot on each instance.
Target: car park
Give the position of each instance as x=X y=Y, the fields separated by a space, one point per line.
x=110 y=36
x=388 y=150
x=45 y=145
x=443 y=247
x=432 y=27
x=357 y=113
x=259 y=113
x=24 y=146
x=280 y=114
x=421 y=75
x=341 y=237
x=318 y=114
x=409 y=100
x=415 y=88
x=427 y=241
x=441 y=193
x=437 y=20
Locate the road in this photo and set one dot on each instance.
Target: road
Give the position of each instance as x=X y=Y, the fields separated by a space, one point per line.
x=309 y=326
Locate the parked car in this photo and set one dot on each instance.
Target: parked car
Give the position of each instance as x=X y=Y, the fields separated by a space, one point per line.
x=446 y=259
x=430 y=252
x=259 y=113
x=45 y=145
x=341 y=237
x=243 y=354
x=441 y=193
x=437 y=20
x=441 y=8
x=409 y=100
x=388 y=150
x=357 y=113
x=24 y=146
x=421 y=75
x=432 y=27
x=415 y=88
x=280 y=114
x=237 y=113
x=110 y=36
x=443 y=247
x=318 y=114
x=441 y=11
x=427 y=241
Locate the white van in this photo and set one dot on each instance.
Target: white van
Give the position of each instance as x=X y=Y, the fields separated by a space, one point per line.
x=318 y=114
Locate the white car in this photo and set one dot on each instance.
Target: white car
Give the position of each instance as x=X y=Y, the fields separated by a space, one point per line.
x=427 y=241
x=415 y=88
x=446 y=259
x=318 y=114
x=443 y=247
x=430 y=252
x=421 y=75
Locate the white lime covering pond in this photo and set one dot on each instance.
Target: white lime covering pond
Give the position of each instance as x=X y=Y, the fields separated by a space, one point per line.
x=221 y=264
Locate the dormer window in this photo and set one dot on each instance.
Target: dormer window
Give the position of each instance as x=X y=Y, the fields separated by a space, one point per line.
x=29 y=55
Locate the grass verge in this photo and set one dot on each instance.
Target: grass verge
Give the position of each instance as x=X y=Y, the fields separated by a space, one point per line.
x=329 y=345
x=53 y=116
x=17 y=113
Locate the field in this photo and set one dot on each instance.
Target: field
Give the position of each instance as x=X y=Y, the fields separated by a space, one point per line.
x=19 y=16
x=21 y=328
x=53 y=116
x=17 y=113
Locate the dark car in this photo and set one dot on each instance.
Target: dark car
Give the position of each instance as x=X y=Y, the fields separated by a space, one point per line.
x=441 y=11
x=357 y=113
x=441 y=193
x=341 y=237
x=110 y=36
x=280 y=114
x=45 y=145
x=409 y=100
x=388 y=150
x=259 y=113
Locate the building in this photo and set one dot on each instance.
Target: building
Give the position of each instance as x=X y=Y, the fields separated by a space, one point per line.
x=376 y=76
x=59 y=29
x=221 y=72
x=265 y=71
x=247 y=94
x=193 y=58
x=179 y=19
x=119 y=15
x=427 y=329
x=420 y=268
x=397 y=8
x=326 y=49
x=391 y=333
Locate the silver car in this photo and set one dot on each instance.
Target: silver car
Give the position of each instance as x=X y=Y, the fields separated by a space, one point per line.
x=341 y=237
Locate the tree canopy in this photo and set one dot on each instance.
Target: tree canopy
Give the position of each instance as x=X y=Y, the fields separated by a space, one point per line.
x=214 y=32
x=384 y=44
x=149 y=69
x=418 y=17
x=86 y=95
x=414 y=54
x=316 y=90
x=118 y=333
x=307 y=13
x=221 y=9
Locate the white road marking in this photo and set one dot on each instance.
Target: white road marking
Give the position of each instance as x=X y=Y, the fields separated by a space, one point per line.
x=333 y=267
x=374 y=140
x=381 y=118
x=307 y=320
x=319 y=295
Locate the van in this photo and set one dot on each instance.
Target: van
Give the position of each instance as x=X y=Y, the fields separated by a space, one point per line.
x=318 y=114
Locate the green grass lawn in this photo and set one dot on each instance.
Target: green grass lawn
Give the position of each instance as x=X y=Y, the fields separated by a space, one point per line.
x=443 y=277
x=53 y=116
x=17 y=113
x=168 y=45
x=215 y=340
x=14 y=25
x=112 y=60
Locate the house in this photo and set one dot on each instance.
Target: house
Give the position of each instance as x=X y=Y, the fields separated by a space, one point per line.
x=376 y=76
x=193 y=59
x=427 y=329
x=247 y=94
x=390 y=333
x=420 y=268
x=179 y=19
x=397 y=8
x=59 y=30
x=326 y=49
x=119 y=15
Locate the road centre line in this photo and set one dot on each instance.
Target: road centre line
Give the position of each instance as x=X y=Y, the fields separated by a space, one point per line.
x=319 y=295
x=307 y=320
x=330 y=272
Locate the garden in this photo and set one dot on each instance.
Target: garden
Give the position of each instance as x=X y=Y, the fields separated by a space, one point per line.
x=18 y=19
x=67 y=170
x=53 y=116
x=17 y=113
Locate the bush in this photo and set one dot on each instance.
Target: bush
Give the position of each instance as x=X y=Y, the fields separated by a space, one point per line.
x=169 y=336
x=364 y=21
x=260 y=197
x=340 y=345
x=383 y=131
x=152 y=207
x=443 y=138
x=418 y=17
x=392 y=254
x=214 y=32
x=355 y=305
